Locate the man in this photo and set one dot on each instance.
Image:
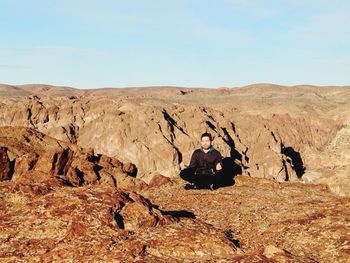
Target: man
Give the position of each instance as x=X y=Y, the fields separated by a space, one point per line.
x=205 y=166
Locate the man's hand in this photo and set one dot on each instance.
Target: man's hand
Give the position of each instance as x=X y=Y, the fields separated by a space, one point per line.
x=182 y=166
x=218 y=167
x=238 y=162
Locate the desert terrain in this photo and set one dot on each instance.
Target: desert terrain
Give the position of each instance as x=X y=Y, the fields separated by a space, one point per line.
x=92 y=175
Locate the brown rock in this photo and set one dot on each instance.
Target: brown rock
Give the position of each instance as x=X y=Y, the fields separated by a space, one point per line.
x=130 y=169
x=33 y=151
x=4 y=164
x=61 y=161
x=24 y=164
x=139 y=212
x=158 y=180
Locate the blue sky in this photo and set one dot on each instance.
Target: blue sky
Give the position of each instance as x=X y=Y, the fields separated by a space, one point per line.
x=91 y=44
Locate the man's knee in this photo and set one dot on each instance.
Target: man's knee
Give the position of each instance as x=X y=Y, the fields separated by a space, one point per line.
x=186 y=174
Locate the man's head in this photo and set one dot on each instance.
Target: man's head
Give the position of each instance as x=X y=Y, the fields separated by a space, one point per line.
x=206 y=140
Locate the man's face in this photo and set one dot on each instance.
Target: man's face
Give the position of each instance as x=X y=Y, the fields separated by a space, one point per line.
x=206 y=142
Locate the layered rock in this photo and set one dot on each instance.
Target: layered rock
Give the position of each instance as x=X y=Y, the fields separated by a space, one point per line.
x=32 y=153
x=271 y=131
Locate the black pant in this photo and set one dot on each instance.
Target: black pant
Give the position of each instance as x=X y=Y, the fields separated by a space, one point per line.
x=201 y=180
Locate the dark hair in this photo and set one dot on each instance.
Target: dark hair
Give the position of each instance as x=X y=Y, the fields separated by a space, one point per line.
x=207 y=134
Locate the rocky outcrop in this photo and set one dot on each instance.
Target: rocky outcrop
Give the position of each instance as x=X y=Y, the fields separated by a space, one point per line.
x=48 y=222
x=159 y=180
x=4 y=164
x=31 y=152
x=137 y=212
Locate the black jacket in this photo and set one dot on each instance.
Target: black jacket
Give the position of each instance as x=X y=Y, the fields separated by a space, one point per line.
x=205 y=163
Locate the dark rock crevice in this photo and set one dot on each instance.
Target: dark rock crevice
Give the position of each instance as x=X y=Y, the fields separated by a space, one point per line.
x=80 y=175
x=71 y=132
x=118 y=218
x=6 y=166
x=29 y=116
x=178 y=152
x=172 y=124
x=233 y=127
x=12 y=168
x=61 y=162
x=211 y=126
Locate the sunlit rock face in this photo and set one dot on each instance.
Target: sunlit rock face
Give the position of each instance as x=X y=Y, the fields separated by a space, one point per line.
x=285 y=133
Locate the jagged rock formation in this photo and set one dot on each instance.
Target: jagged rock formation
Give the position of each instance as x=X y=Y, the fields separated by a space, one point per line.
x=27 y=155
x=285 y=133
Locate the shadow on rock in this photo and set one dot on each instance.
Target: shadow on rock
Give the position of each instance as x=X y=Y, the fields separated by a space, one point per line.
x=180 y=214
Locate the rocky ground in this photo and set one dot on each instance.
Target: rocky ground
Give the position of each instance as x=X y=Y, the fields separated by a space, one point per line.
x=92 y=175
x=269 y=221
x=255 y=220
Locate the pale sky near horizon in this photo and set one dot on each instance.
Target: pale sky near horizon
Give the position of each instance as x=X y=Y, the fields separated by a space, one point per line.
x=92 y=44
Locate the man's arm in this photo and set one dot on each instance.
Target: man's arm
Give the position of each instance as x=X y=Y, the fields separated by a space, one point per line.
x=193 y=163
